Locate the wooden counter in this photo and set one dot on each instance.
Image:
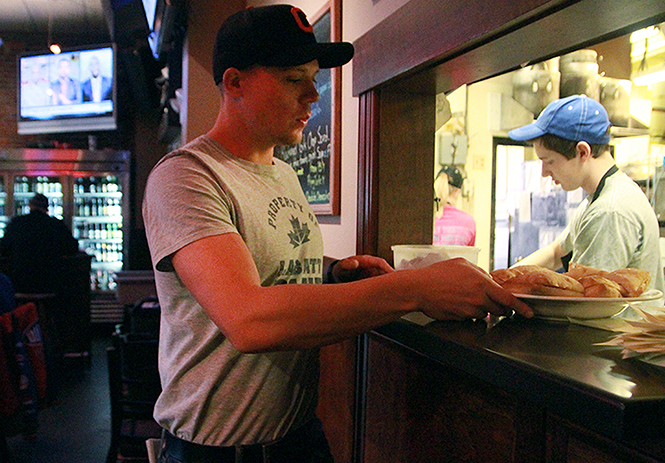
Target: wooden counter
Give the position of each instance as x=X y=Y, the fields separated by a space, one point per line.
x=521 y=391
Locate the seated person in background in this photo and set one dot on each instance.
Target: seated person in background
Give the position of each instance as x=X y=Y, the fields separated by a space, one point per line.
x=451 y=225
x=615 y=226
x=34 y=243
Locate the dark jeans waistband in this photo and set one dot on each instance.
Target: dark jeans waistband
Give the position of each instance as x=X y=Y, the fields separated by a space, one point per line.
x=305 y=444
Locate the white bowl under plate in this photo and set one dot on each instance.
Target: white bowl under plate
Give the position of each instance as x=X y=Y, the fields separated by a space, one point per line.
x=562 y=308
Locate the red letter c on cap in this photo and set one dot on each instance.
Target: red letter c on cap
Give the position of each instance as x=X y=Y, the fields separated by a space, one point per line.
x=301 y=19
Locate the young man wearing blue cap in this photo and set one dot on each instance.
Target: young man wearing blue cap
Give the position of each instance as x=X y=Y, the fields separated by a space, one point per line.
x=238 y=254
x=615 y=226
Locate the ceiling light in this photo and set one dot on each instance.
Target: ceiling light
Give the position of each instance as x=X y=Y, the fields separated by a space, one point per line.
x=647 y=56
x=644 y=34
x=650 y=78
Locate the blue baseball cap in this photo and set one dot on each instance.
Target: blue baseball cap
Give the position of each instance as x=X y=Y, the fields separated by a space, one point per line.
x=575 y=118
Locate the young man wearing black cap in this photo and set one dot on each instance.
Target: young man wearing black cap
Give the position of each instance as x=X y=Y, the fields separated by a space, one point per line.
x=615 y=226
x=238 y=254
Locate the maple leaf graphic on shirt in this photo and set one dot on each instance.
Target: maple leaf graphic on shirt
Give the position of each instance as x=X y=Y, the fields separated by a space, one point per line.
x=300 y=232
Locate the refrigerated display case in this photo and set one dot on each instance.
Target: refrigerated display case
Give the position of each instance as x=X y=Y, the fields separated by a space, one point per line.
x=86 y=188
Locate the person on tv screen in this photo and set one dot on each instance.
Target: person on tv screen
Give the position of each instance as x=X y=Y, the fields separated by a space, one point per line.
x=98 y=87
x=65 y=89
x=35 y=89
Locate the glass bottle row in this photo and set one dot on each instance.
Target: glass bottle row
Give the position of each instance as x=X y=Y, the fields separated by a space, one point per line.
x=40 y=184
x=104 y=252
x=95 y=207
x=51 y=185
x=97 y=231
x=106 y=184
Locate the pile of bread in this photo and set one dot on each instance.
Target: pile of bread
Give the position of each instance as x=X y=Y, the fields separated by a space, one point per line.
x=578 y=281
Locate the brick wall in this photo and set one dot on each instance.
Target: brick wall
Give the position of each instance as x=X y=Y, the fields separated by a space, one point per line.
x=9 y=138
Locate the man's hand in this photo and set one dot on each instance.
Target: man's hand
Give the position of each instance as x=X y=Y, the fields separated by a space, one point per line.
x=456 y=289
x=359 y=267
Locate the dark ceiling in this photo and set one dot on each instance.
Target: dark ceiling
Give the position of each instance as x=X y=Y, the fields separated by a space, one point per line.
x=70 y=22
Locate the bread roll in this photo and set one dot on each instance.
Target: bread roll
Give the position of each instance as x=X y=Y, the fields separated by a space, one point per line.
x=544 y=282
x=633 y=281
x=579 y=281
x=504 y=274
x=599 y=286
x=578 y=271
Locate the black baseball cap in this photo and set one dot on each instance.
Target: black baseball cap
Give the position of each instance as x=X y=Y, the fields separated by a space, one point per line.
x=455 y=177
x=274 y=35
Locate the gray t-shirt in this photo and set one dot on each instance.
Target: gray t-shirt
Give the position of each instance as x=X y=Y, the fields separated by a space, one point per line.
x=618 y=229
x=213 y=394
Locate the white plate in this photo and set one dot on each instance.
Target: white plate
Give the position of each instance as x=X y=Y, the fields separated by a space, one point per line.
x=561 y=308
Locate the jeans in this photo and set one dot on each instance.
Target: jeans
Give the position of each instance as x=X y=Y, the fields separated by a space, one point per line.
x=307 y=444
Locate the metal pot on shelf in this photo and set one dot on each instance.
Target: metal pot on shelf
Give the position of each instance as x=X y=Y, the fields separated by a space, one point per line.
x=615 y=97
x=534 y=87
x=579 y=74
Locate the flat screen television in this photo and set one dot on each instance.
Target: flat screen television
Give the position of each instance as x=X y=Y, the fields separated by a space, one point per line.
x=73 y=91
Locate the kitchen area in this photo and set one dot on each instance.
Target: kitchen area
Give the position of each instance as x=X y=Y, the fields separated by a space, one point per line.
x=507 y=390
x=517 y=210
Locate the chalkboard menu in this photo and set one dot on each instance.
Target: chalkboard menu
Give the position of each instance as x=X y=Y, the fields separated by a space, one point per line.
x=312 y=158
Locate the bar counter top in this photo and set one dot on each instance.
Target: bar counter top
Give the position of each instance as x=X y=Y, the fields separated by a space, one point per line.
x=553 y=365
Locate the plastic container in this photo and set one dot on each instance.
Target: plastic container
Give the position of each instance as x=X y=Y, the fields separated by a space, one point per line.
x=406 y=256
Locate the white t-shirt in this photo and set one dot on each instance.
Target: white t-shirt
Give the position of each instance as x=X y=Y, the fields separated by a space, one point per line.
x=212 y=394
x=618 y=229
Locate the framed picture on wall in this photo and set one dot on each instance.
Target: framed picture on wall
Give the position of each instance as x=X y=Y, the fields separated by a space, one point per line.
x=316 y=159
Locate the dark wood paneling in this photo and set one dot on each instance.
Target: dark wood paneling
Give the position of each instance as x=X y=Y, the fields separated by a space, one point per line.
x=402 y=212
x=569 y=443
x=424 y=31
x=470 y=50
x=406 y=160
x=418 y=411
x=368 y=136
x=422 y=409
x=580 y=25
x=336 y=393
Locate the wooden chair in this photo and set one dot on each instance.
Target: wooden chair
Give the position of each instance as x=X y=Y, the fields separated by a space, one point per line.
x=134 y=387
